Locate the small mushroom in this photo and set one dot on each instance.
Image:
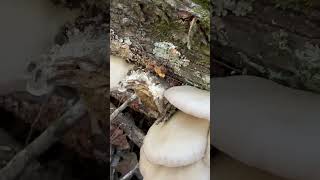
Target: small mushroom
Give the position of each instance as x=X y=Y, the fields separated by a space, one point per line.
x=190 y=100
x=197 y=171
x=268 y=126
x=118 y=70
x=180 y=147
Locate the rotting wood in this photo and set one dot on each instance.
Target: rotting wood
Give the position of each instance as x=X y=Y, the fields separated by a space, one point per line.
x=155 y=33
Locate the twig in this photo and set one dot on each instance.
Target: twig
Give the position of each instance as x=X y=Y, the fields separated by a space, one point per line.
x=51 y=135
x=126 y=123
x=190 y=32
x=122 y=107
x=130 y=173
x=227 y=66
x=43 y=105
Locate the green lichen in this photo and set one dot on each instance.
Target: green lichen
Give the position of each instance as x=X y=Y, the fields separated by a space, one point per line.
x=164 y=31
x=204 y=17
x=203 y=3
x=176 y=33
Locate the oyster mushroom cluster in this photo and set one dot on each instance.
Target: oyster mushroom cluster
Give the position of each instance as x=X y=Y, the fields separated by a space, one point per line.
x=180 y=147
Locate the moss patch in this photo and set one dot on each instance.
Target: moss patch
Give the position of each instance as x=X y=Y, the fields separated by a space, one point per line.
x=204 y=3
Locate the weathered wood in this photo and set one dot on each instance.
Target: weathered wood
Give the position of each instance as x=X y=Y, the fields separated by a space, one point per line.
x=278 y=43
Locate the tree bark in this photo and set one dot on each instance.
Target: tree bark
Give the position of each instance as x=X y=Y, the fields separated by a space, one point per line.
x=278 y=40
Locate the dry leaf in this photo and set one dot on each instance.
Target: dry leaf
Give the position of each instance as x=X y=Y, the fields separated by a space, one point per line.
x=160 y=70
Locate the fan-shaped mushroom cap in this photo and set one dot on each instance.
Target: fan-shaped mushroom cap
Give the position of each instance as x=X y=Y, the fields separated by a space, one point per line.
x=190 y=100
x=226 y=168
x=180 y=141
x=150 y=171
x=118 y=70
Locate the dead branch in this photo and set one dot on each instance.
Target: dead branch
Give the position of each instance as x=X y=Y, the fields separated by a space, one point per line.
x=51 y=135
x=127 y=124
x=122 y=107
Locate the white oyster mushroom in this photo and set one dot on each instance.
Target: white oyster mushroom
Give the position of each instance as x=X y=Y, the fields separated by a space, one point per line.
x=268 y=126
x=150 y=171
x=180 y=141
x=118 y=70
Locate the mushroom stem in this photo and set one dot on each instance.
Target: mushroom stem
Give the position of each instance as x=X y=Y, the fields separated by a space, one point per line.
x=122 y=107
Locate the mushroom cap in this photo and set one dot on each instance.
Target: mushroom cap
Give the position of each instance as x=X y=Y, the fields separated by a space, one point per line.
x=180 y=141
x=118 y=70
x=150 y=171
x=190 y=100
x=227 y=168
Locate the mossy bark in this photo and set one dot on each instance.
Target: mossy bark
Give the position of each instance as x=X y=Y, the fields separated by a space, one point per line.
x=270 y=40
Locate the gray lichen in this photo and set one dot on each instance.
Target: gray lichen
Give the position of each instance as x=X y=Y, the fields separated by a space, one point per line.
x=280 y=40
x=168 y=51
x=308 y=60
x=310 y=55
